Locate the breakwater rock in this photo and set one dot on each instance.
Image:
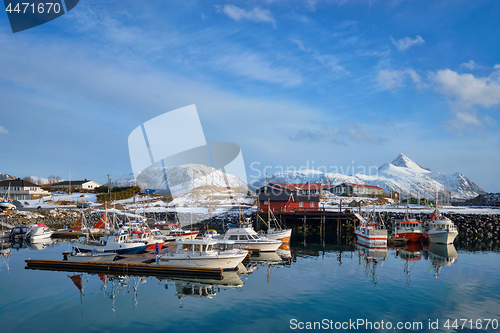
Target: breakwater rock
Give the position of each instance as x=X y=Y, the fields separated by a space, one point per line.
x=467 y=224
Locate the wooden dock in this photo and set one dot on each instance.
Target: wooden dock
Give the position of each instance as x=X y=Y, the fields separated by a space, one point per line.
x=129 y=265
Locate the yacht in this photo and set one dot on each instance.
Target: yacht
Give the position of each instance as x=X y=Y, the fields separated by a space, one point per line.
x=203 y=253
x=89 y=256
x=245 y=237
x=38 y=232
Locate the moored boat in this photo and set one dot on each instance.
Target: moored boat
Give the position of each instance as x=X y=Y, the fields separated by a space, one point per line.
x=173 y=230
x=203 y=253
x=247 y=238
x=412 y=230
x=89 y=256
x=372 y=234
x=440 y=229
x=119 y=243
x=38 y=232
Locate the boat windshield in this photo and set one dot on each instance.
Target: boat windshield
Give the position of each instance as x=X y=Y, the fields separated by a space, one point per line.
x=224 y=246
x=187 y=247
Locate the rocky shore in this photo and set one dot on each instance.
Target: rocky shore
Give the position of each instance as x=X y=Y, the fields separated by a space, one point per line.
x=484 y=226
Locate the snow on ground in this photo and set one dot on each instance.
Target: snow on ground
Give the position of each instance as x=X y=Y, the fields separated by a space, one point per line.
x=51 y=200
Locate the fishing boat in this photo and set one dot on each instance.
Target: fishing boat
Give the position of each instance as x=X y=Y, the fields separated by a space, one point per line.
x=245 y=237
x=410 y=229
x=275 y=229
x=372 y=234
x=120 y=243
x=440 y=229
x=173 y=230
x=38 y=232
x=203 y=253
x=89 y=256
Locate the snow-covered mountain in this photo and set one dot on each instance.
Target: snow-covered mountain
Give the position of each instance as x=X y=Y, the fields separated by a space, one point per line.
x=401 y=175
x=304 y=176
x=4 y=176
x=181 y=179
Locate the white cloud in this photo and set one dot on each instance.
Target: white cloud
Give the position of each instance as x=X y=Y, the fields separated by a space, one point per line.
x=253 y=66
x=256 y=14
x=327 y=60
x=3 y=130
x=471 y=64
x=394 y=79
x=468 y=90
x=405 y=43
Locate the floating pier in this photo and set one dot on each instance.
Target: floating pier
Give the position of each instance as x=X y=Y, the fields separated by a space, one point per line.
x=126 y=265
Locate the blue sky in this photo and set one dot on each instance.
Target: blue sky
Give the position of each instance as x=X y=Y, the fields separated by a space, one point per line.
x=293 y=83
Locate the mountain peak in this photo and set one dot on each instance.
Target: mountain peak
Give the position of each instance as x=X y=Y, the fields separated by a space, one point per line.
x=405 y=162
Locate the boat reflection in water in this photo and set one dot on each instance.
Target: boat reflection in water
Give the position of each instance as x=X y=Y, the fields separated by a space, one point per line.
x=203 y=288
x=410 y=254
x=111 y=285
x=282 y=257
x=441 y=255
x=5 y=253
x=371 y=258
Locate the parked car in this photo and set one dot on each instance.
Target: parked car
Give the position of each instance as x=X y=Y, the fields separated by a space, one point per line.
x=82 y=205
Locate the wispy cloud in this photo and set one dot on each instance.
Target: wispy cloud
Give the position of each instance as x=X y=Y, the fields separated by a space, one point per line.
x=391 y=79
x=405 y=43
x=3 y=130
x=256 y=14
x=466 y=92
x=337 y=135
x=328 y=60
x=253 y=65
x=471 y=64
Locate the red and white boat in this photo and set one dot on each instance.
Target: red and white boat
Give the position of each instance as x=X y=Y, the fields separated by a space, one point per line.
x=173 y=229
x=412 y=230
x=148 y=238
x=372 y=234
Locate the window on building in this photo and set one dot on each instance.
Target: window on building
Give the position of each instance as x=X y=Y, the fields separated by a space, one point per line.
x=312 y=204
x=265 y=202
x=301 y=204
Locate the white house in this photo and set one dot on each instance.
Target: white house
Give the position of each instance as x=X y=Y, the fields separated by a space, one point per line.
x=76 y=185
x=19 y=189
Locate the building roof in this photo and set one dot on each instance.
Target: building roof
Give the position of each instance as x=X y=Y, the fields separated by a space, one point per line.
x=18 y=182
x=73 y=182
x=306 y=186
x=363 y=185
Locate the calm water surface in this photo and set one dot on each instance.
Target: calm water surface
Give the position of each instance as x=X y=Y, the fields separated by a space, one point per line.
x=331 y=284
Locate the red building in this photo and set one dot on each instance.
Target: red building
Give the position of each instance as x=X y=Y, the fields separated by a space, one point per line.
x=280 y=199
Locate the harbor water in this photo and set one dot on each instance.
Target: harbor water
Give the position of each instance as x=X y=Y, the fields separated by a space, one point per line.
x=335 y=287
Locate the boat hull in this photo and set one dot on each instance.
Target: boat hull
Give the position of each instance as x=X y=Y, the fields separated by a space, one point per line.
x=372 y=239
x=258 y=246
x=410 y=236
x=223 y=262
x=442 y=237
x=123 y=249
x=86 y=257
x=283 y=235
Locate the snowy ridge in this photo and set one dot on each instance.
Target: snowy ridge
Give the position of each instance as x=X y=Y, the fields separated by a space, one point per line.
x=4 y=176
x=402 y=175
x=182 y=179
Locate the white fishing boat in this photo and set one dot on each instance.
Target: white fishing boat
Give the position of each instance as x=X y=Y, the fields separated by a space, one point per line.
x=441 y=231
x=89 y=256
x=118 y=243
x=18 y=234
x=38 y=232
x=203 y=253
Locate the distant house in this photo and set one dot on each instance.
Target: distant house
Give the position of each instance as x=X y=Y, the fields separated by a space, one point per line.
x=21 y=190
x=356 y=190
x=279 y=199
x=301 y=189
x=75 y=185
